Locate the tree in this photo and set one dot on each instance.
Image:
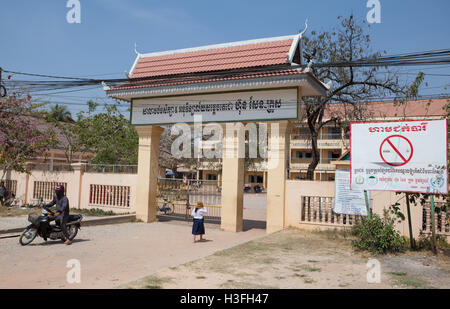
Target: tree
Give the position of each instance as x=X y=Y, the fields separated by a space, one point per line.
x=20 y=137
x=350 y=85
x=109 y=135
x=60 y=113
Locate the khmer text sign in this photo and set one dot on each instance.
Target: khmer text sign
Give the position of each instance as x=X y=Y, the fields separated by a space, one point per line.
x=409 y=156
x=222 y=107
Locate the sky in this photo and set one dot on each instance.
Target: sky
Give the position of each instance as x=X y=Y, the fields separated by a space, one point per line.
x=36 y=37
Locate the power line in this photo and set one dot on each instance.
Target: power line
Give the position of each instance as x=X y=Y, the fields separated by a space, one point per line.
x=422 y=58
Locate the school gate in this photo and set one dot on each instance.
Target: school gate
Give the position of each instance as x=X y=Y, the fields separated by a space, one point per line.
x=253 y=81
x=176 y=198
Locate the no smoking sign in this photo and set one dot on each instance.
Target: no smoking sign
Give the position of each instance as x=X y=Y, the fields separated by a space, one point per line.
x=396 y=150
x=401 y=156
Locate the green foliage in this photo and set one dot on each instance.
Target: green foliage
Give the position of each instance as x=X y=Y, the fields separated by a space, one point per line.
x=109 y=135
x=60 y=113
x=378 y=235
x=425 y=242
x=97 y=212
x=395 y=210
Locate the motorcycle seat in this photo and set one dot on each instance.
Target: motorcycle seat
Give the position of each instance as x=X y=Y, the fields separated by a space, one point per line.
x=73 y=218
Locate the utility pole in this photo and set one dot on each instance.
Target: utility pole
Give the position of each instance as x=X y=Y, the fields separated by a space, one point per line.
x=2 y=88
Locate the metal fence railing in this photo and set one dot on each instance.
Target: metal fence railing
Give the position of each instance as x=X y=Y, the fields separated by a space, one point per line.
x=112 y=169
x=47 y=167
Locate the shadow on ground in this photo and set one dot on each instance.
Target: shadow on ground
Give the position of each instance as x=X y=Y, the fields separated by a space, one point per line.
x=247 y=224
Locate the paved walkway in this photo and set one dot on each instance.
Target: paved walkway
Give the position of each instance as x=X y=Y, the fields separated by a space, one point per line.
x=7 y=223
x=111 y=255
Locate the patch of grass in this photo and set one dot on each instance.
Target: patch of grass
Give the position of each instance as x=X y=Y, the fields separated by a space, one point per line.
x=334 y=234
x=310 y=268
x=231 y=284
x=313 y=261
x=268 y=260
x=149 y=282
x=245 y=250
x=343 y=285
x=14 y=212
x=408 y=280
x=398 y=273
x=200 y=277
x=299 y=275
x=96 y=212
x=425 y=242
x=308 y=280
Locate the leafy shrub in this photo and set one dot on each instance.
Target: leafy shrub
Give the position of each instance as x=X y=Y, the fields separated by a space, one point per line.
x=378 y=235
x=425 y=242
x=94 y=212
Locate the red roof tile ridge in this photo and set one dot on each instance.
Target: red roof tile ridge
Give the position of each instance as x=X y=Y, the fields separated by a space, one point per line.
x=226 y=53
x=218 y=46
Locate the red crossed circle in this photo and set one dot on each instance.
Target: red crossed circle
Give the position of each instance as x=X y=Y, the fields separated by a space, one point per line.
x=402 y=156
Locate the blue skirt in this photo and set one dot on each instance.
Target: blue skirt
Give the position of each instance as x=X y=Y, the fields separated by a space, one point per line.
x=198 y=228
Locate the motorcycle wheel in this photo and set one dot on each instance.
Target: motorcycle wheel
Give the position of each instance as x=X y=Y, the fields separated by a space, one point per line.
x=73 y=231
x=171 y=208
x=28 y=236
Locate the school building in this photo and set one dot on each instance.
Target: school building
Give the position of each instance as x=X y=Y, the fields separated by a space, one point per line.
x=333 y=141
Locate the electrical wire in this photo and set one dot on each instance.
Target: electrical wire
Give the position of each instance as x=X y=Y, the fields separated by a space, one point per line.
x=422 y=58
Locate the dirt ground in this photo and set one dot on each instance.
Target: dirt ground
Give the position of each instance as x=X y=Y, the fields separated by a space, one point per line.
x=162 y=255
x=110 y=255
x=299 y=259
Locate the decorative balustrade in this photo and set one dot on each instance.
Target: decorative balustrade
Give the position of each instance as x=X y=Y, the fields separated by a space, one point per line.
x=46 y=189
x=442 y=220
x=319 y=210
x=109 y=195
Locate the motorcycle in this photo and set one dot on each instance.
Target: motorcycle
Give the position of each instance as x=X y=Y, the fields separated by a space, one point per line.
x=40 y=225
x=257 y=189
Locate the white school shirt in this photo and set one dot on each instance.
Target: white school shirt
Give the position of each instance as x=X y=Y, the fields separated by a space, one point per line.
x=199 y=213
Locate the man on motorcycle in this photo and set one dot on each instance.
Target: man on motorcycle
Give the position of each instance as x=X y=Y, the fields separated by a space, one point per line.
x=62 y=211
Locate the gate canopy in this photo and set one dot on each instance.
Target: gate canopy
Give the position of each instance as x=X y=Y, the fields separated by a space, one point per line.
x=256 y=64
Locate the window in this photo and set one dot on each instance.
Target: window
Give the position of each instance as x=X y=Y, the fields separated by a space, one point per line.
x=304 y=132
x=334 y=133
x=211 y=177
x=334 y=154
x=259 y=179
x=308 y=155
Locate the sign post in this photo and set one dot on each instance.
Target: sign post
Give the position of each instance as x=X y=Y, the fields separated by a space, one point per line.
x=433 y=226
x=369 y=215
x=408 y=209
x=401 y=156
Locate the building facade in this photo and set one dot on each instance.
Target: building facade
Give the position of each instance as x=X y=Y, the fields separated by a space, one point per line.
x=333 y=141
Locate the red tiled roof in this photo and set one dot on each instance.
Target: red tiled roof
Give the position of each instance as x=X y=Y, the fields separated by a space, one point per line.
x=173 y=81
x=387 y=109
x=217 y=59
x=211 y=63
